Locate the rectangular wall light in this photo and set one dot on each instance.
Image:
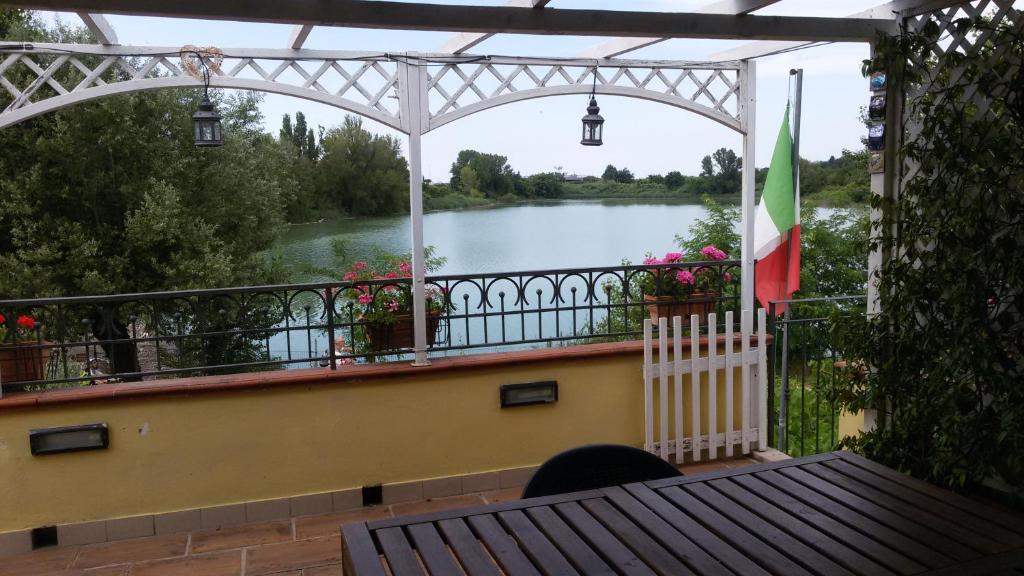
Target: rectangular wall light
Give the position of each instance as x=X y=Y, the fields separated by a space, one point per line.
x=69 y=439
x=528 y=394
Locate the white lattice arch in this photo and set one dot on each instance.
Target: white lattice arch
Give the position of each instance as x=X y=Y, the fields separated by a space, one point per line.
x=8 y=118
x=375 y=85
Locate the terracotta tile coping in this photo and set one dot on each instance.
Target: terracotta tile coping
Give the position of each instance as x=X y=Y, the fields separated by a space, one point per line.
x=316 y=376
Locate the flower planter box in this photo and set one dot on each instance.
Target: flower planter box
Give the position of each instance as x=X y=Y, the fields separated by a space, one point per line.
x=381 y=336
x=24 y=361
x=699 y=303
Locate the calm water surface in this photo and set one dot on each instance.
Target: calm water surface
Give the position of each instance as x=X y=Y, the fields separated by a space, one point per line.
x=530 y=237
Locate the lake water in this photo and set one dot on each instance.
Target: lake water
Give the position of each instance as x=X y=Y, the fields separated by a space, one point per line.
x=567 y=234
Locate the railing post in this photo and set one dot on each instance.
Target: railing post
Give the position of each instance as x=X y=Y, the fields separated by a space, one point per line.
x=413 y=95
x=784 y=387
x=748 y=105
x=332 y=353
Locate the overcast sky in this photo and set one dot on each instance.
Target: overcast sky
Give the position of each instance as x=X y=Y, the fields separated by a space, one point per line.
x=537 y=135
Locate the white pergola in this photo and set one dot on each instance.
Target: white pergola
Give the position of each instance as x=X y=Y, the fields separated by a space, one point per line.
x=400 y=91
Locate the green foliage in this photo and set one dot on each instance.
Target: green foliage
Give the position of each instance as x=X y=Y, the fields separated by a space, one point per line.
x=947 y=350
x=360 y=173
x=610 y=173
x=834 y=261
x=479 y=174
x=719 y=228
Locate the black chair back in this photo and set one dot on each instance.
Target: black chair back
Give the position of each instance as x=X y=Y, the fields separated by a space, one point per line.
x=596 y=466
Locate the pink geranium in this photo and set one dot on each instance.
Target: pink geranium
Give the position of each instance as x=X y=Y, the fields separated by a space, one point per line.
x=685 y=277
x=350 y=277
x=365 y=299
x=651 y=260
x=672 y=257
x=712 y=253
x=405 y=268
x=360 y=265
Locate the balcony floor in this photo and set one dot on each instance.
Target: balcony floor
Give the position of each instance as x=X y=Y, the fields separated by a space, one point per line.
x=303 y=546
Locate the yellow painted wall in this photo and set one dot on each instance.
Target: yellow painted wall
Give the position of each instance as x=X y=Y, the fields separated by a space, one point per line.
x=171 y=453
x=850 y=424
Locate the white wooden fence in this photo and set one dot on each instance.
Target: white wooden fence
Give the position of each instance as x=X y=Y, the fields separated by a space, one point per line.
x=707 y=393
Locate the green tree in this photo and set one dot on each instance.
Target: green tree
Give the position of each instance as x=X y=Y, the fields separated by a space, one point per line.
x=610 y=174
x=495 y=178
x=674 y=180
x=361 y=173
x=545 y=185
x=624 y=176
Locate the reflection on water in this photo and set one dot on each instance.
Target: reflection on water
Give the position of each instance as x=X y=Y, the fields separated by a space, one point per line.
x=538 y=236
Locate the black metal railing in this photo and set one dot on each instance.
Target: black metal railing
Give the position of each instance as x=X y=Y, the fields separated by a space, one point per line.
x=91 y=339
x=803 y=371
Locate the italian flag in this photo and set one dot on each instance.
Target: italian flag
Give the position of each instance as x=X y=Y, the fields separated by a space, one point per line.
x=777 y=228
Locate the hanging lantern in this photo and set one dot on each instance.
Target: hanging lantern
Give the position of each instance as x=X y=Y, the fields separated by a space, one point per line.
x=593 y=125
x=206 y=123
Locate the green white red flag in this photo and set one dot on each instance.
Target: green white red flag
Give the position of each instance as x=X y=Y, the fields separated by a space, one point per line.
x=777 y=228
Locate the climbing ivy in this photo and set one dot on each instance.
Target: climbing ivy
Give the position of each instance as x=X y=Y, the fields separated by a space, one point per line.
x=947 y=350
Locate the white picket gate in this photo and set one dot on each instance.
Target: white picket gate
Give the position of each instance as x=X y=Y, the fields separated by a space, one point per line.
x=669 y=371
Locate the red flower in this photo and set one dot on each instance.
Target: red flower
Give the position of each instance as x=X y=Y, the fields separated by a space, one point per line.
x=3 y=320
x=26 y=322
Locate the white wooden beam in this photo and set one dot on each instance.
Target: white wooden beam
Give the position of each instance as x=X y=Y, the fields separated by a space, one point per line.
x=100 y=28
x=618 y=46
x=463 y=41
x=299 y=34
x=895 y=10
x=498 y=19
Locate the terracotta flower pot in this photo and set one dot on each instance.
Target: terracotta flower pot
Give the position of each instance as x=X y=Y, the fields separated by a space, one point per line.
x=24 y=361
x=699 y=303
x=381 y=336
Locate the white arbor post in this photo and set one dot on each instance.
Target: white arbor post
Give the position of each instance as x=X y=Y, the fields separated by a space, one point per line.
x=748 y=109
x=413 y=93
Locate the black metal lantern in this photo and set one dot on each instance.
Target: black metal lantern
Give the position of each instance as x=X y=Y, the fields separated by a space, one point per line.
x=593 y=125
x=206 y=120
x=206 y=123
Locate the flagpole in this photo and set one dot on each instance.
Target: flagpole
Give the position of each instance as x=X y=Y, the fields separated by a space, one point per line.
x=783 y=442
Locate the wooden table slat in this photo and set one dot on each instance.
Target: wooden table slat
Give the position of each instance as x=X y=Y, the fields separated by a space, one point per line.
x=1005 y=518
x=864 y=545
x=911 y=528
x=615 y=552
x=358 y=552
x=398 y=552
x=729 y=556
x=535 y=545
x=827 y=514
x=801 y=528
x=471 y=554
x=503 y=548
x=794 y=548
x=572 y=546
x=657 y=558
x=953 y=530
x=749 y=544
x=938 y=507
x=674 y=541
x=432 y=549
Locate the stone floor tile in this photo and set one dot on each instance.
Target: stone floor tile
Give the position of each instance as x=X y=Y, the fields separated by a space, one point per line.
x=240 y=536
x=437 y=505
x=119 y=570
x=134 y=527
x=173 y=522
x=503 y=495
x=329 y=524
x=82 y=533
x=38 y=561
x=140 y=549
x=272 y=558
x=227 y=563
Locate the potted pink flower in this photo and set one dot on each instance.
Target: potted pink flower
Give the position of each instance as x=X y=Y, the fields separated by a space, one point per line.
x=386 y=309
x=683 y=291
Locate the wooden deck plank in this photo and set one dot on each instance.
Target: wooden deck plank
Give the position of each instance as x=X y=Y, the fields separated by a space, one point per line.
x=572 y=546
x=960 y=533
x=1005 y=518
x=359 y=554
x=800 y=527
x=502 y=547
x=734 y=559
x=822 y=513
x=703 y=477
x=401 y=559
x=679 y=543
x=601 y=540
x=657 y=558
x=1004 y=563
x=432 y=549
x=471 y=554
x=794 y=548
x=902 y=524
x=535 y=545
x=939 y=507
x=755 y=548
x=482 y=509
